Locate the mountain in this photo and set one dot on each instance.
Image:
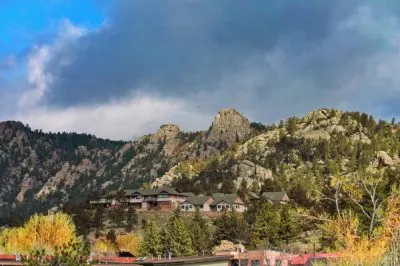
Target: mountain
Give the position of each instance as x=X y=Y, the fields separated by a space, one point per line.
x=41 y=170
x=300 y=155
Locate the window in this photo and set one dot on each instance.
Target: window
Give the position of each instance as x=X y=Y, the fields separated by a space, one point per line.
x=255 y=263
x=183 y=207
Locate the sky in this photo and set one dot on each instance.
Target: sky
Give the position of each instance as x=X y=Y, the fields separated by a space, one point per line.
x=121 y=68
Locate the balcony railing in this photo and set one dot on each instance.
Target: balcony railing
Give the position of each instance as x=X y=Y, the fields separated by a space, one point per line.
x=100 y=201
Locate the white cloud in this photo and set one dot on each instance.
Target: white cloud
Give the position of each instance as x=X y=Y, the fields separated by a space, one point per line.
x=125 y=119
x=37 y=74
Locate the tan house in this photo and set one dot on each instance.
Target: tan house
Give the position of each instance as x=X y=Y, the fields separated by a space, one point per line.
x=227 y=202
x=201 y=202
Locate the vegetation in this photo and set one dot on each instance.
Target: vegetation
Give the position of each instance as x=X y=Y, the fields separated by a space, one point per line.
x=340 y=170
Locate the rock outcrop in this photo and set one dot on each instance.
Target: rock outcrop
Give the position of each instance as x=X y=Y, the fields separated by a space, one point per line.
x=229 y=127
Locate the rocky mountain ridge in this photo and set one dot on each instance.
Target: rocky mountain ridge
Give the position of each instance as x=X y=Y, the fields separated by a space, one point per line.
x=41 y=170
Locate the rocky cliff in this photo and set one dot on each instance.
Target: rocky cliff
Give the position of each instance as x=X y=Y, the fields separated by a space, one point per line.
x=41 y=170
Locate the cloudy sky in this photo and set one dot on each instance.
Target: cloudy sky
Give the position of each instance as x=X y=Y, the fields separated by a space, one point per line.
x=120 y=68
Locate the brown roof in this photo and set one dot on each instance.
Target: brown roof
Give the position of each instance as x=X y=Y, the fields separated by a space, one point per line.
x=275 y=196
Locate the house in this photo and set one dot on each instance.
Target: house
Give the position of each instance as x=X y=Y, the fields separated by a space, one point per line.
x=253 y=257
x=227 y=202
x=276 y=197
x=200 y=201
x=169 y=199
x=163 y=198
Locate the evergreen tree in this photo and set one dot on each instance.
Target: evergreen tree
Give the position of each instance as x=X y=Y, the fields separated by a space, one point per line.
x=98 y=220
x=200 y=232
x=111 y=236
x=266 y=228
x=228 y=186
x=291 y=125
x=243 y=190
x=223 y=230
x=117 y=216
x=131 y=218
x=151 y=244
x=144 y=223
x=179 y=240
x=165 y=241
x=289 y=226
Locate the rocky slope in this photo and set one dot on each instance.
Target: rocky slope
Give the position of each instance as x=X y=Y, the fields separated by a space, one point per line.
x=42 y=170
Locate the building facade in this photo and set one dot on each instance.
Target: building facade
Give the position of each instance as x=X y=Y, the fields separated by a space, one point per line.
x=170 y=199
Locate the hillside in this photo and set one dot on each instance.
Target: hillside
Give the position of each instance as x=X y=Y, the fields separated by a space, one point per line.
x=300 y=155
x=42 y=170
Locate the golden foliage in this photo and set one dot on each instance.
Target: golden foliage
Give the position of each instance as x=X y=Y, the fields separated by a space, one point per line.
x=103 y=247
x=129 y=242
x=359 y=249
x=40 y=232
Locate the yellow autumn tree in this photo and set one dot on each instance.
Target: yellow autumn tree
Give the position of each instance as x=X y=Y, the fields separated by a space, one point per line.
x=361 y=249
x=40 y=232
x=15 y=240
x=129 y=242
x=103 y=247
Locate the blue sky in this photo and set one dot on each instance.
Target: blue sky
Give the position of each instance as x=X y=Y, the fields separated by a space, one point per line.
x=23 y=23
x=121 y=68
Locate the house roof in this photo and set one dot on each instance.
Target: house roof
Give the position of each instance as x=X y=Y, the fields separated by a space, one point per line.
x=197 y=200
x=149 y=192
x=275 y=196
x=187 y=194
x=302 y=259
x=228 y=198
x=253 y=195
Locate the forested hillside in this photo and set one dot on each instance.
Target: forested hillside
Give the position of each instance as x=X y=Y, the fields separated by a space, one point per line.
x=319 y=160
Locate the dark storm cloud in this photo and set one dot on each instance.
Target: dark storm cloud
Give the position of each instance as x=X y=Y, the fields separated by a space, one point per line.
x=246 y=54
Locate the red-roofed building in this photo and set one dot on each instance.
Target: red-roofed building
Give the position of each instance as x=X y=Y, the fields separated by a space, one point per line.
x=308 y=259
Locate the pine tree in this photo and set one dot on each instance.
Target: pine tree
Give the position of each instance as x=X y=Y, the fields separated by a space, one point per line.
x=131 y=218
x=289 y=223
x=265 y=231
x=111 y=236
x=117 y=216
x=291 y=125
x=151 y=244
x=179 y=239
x=200 y=233
x=222 y=225
x=98 y=220
x=243 y=190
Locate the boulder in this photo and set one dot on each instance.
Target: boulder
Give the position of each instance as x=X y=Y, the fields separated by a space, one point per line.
x=384 y=158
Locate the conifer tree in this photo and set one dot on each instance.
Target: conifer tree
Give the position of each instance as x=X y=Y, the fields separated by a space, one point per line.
x=98 y=220
x=289 y=226
x=179 y=240
x=291 y=125
x=151 y=244
x=222 y=225
x=265 y=231
x=131 y=218
x=200 y=233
